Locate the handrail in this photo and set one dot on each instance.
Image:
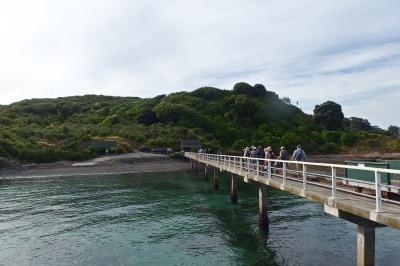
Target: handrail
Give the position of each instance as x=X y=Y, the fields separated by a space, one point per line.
x=262 y=166
x=367 y=168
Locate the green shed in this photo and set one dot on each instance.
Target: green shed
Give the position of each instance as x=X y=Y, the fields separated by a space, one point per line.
x=393 y=164
x=368 y=176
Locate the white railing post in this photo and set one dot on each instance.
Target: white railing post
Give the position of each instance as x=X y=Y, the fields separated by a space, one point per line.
x=284 y=173
x=378 y=191
x=333 y=183
x=269 y=170
x=258 y=167
x=304 y=177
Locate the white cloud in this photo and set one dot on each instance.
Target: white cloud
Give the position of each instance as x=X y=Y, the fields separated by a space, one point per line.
x=308 y=50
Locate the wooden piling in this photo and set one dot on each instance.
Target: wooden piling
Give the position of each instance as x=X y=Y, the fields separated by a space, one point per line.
x=234 y=194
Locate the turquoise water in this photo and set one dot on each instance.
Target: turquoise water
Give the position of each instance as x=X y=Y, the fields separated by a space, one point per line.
x=169 y=219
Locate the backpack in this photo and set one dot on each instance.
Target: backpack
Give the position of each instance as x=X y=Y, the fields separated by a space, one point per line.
x=299 y=156
x=285 y=155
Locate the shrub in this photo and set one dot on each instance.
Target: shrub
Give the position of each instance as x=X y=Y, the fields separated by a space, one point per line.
x=349 y=139
x=329 y=148
x=239 y=144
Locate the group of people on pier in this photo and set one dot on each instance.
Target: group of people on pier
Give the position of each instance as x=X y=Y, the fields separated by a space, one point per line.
x=267 y=153
x=253 y=152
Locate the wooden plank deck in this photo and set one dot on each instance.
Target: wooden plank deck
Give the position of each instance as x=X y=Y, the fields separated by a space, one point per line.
x=351 y=203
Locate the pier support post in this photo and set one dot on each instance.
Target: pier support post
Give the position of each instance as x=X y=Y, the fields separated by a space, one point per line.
x=365 y=245
x=216 y=181
x=262 y=210
x=365 y=235
x=192 y=164
x=206 y=172
x=234 y=195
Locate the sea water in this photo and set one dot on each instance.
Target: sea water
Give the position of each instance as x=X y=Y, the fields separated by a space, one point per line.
x=170 y=219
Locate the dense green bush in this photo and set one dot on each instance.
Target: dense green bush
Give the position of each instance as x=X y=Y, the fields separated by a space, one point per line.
x=349 y=139
x=329 y=148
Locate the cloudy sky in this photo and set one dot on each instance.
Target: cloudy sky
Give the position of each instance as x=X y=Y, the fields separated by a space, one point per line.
x=310 y=50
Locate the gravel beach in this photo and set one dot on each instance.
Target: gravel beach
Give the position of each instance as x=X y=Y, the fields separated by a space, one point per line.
x=137 y=162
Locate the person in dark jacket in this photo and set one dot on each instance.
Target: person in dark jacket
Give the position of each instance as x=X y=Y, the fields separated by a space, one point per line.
x=261 y=153
x=253 y=154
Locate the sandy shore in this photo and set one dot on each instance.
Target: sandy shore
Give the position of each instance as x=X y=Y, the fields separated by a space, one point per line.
x=137 y=162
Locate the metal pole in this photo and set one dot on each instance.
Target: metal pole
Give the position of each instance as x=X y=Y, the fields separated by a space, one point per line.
x=378 y=191
x=284 y=173
x=304 y=177
x=258 y=168
x=333 y=183
x=269 y=170
x=248 y=166
x=234 y=163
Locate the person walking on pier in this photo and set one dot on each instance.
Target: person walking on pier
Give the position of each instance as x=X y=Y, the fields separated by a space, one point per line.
x=246 y=153
x=300 y=156
x=254 y=154
x=283 y=155
x=261 y=155
x=269 y=154
x=260 y=152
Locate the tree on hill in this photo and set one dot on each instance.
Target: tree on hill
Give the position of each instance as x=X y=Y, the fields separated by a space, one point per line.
x=247 y=89
x=394 y=131
x=329 y=114
x=357 y=123
x=286 y=100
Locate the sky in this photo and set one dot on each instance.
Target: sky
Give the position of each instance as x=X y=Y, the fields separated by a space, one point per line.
x=308 y=50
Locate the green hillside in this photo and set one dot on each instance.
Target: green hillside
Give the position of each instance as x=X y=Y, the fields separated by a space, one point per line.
x=43 y=130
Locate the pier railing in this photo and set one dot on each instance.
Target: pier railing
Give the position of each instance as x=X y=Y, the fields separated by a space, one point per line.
x=331 y=176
